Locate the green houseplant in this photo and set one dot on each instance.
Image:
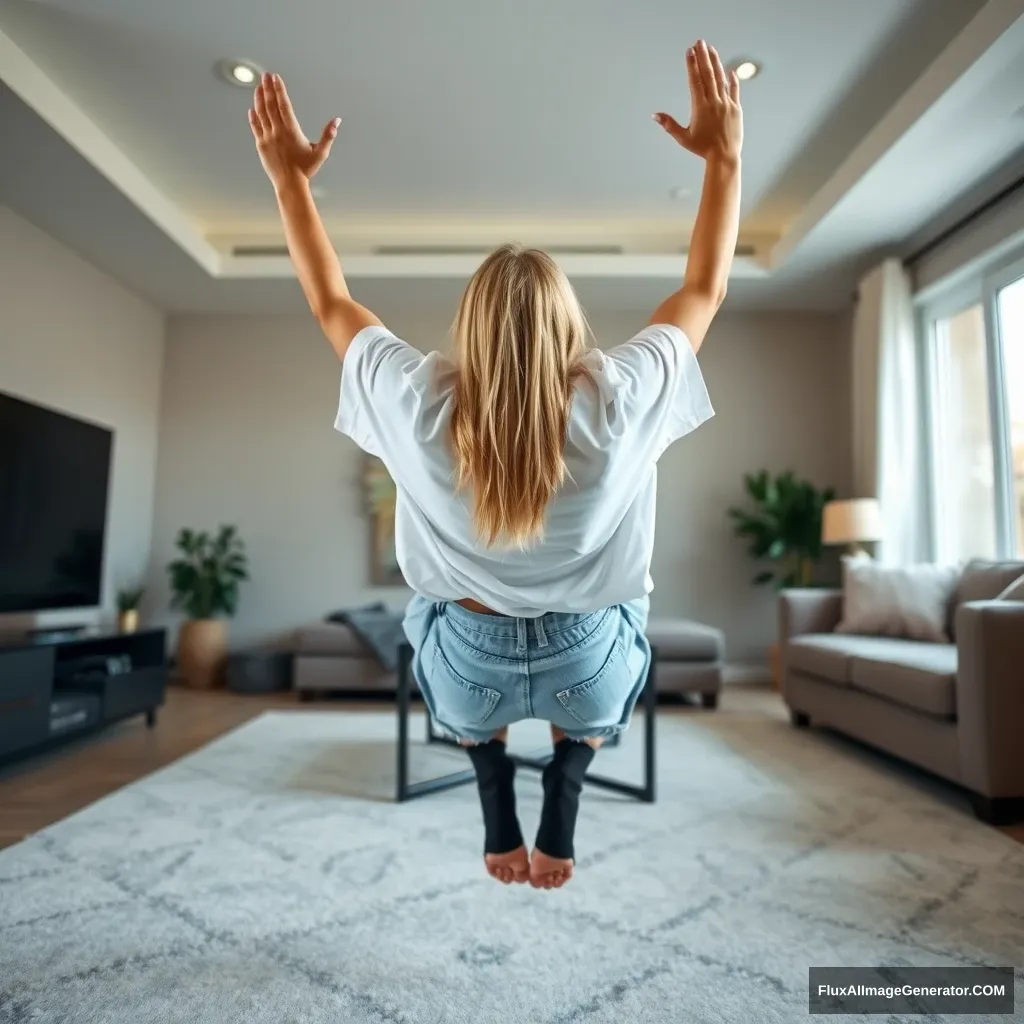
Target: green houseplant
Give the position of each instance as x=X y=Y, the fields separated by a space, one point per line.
x=205 y=580
x=782 y=525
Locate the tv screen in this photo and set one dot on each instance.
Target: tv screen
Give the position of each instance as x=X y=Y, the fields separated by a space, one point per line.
x=54 y=471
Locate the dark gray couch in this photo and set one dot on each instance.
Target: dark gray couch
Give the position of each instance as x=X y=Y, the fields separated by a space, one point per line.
x=330 y=657
x=955 y=709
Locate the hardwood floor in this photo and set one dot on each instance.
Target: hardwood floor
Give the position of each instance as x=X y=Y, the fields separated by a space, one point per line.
x=42 y=790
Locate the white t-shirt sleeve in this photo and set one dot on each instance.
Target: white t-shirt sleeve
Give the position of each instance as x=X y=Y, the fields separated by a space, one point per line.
x=659 y=390
x=380 y=391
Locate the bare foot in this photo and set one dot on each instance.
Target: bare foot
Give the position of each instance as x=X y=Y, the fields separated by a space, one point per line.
x=508 y=867
x=549 y=872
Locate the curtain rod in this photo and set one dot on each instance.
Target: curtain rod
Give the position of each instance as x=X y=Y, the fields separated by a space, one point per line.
x=963 y=222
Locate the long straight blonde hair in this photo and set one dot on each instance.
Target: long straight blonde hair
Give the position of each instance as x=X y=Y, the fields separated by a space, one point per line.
x=520 y=335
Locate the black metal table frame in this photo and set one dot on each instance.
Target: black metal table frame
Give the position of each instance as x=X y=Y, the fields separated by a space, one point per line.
x=406 y=790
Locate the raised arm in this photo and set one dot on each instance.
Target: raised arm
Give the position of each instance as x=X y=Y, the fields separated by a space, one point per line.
x=715 y=134
x=291 y=160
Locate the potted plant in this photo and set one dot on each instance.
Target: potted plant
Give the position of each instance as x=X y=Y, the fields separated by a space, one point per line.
x=204 y=584
x=128 y=601
x=782 y=525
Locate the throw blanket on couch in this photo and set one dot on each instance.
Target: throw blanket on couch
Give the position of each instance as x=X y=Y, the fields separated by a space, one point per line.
x=378 y=627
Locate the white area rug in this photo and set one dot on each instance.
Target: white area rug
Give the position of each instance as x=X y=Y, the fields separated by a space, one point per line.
x=267 y=879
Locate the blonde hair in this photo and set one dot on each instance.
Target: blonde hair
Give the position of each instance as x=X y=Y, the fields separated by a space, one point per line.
x=519 y=337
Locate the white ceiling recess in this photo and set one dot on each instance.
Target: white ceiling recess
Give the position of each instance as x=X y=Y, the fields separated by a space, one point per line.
x=466 y=125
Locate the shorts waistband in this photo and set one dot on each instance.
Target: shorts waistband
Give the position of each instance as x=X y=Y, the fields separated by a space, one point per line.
x=513 y=626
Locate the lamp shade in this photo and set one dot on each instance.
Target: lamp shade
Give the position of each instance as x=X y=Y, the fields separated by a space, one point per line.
x=851 y=522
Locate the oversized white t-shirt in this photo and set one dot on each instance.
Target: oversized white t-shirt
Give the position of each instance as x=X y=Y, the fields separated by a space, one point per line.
x=596 y=551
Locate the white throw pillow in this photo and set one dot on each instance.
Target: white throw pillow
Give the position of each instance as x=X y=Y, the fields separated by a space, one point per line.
x=1014 y=592
x=909 y=601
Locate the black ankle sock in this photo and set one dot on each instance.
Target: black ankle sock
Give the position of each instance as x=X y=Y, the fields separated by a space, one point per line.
x=563 y=783
x=495 y=774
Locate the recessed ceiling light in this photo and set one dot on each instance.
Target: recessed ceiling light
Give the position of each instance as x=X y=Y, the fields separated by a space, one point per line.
x=317 y=191
x=238 y=72
x=681 y=192
x=746 y=69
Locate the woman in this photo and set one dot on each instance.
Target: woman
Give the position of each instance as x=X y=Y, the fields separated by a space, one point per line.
x=525 y=468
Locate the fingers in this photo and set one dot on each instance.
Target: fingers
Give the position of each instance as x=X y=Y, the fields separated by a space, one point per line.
x=734 y=87
x=330 y=133
x=721 y=82
x=272 y=101
x=707 y=71
x=260 y=109
x=256 y=126
x=322 y=149
x=674 y=128
x=697 y=93
x=284 y=103
x=273 y=108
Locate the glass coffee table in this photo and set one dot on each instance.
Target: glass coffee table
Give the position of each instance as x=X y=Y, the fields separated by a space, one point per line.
x=405 y=789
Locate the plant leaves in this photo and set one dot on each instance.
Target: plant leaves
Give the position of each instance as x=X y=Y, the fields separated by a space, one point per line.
x=204 y=580
x=782 y=522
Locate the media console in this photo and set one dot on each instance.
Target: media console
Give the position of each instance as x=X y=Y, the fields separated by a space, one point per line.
x=57 y=687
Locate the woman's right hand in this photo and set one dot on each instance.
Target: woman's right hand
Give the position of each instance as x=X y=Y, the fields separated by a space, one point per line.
x=715 y=131
x=285 y=152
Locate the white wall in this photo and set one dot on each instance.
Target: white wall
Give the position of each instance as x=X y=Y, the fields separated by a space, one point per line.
x=247 y=438
x=73 y=339
x=780 y=385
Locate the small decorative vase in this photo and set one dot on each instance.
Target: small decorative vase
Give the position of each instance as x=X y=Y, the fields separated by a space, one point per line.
x=128 y=621
x=202 y=652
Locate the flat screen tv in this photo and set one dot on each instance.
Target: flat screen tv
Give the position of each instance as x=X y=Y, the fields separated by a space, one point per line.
x=54 y=472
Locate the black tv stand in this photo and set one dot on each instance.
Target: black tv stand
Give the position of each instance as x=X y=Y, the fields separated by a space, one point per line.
x=55 y=634
x=55 y=686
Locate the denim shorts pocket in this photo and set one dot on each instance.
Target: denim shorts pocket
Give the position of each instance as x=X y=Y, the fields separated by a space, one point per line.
x=598 y=701
x=459 y=701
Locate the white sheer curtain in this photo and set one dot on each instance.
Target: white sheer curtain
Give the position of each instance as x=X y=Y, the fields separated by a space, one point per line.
x=888 y=449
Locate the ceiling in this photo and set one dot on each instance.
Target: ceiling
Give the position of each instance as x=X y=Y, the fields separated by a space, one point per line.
x=470 y=123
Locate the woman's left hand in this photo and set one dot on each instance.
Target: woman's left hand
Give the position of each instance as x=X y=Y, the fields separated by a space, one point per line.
x=285 y=152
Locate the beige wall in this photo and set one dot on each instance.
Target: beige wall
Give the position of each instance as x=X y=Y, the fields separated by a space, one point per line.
x=246 y=437
x=73 y=339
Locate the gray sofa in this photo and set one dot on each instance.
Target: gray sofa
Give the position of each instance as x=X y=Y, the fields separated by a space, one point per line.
x=954 y=709
x=330 y=657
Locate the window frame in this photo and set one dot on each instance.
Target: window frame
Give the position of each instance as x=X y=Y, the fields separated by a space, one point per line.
x=1005 y=273
x=981 y=288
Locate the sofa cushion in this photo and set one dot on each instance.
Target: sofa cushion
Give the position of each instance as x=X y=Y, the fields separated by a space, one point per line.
x=921 y=676
x=984 y=581
x=825 y=655
x=911 y=601
x=676 y=640
x=330 y=639
x=683 y=640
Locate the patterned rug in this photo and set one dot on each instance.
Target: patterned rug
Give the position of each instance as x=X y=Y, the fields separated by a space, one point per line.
x=267 y=878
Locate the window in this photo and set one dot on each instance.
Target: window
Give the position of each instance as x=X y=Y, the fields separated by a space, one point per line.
x=963 y=476
x=1011 y=334
x=974 y=361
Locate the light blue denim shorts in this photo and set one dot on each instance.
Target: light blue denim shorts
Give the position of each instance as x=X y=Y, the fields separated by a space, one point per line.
x=479 y=673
